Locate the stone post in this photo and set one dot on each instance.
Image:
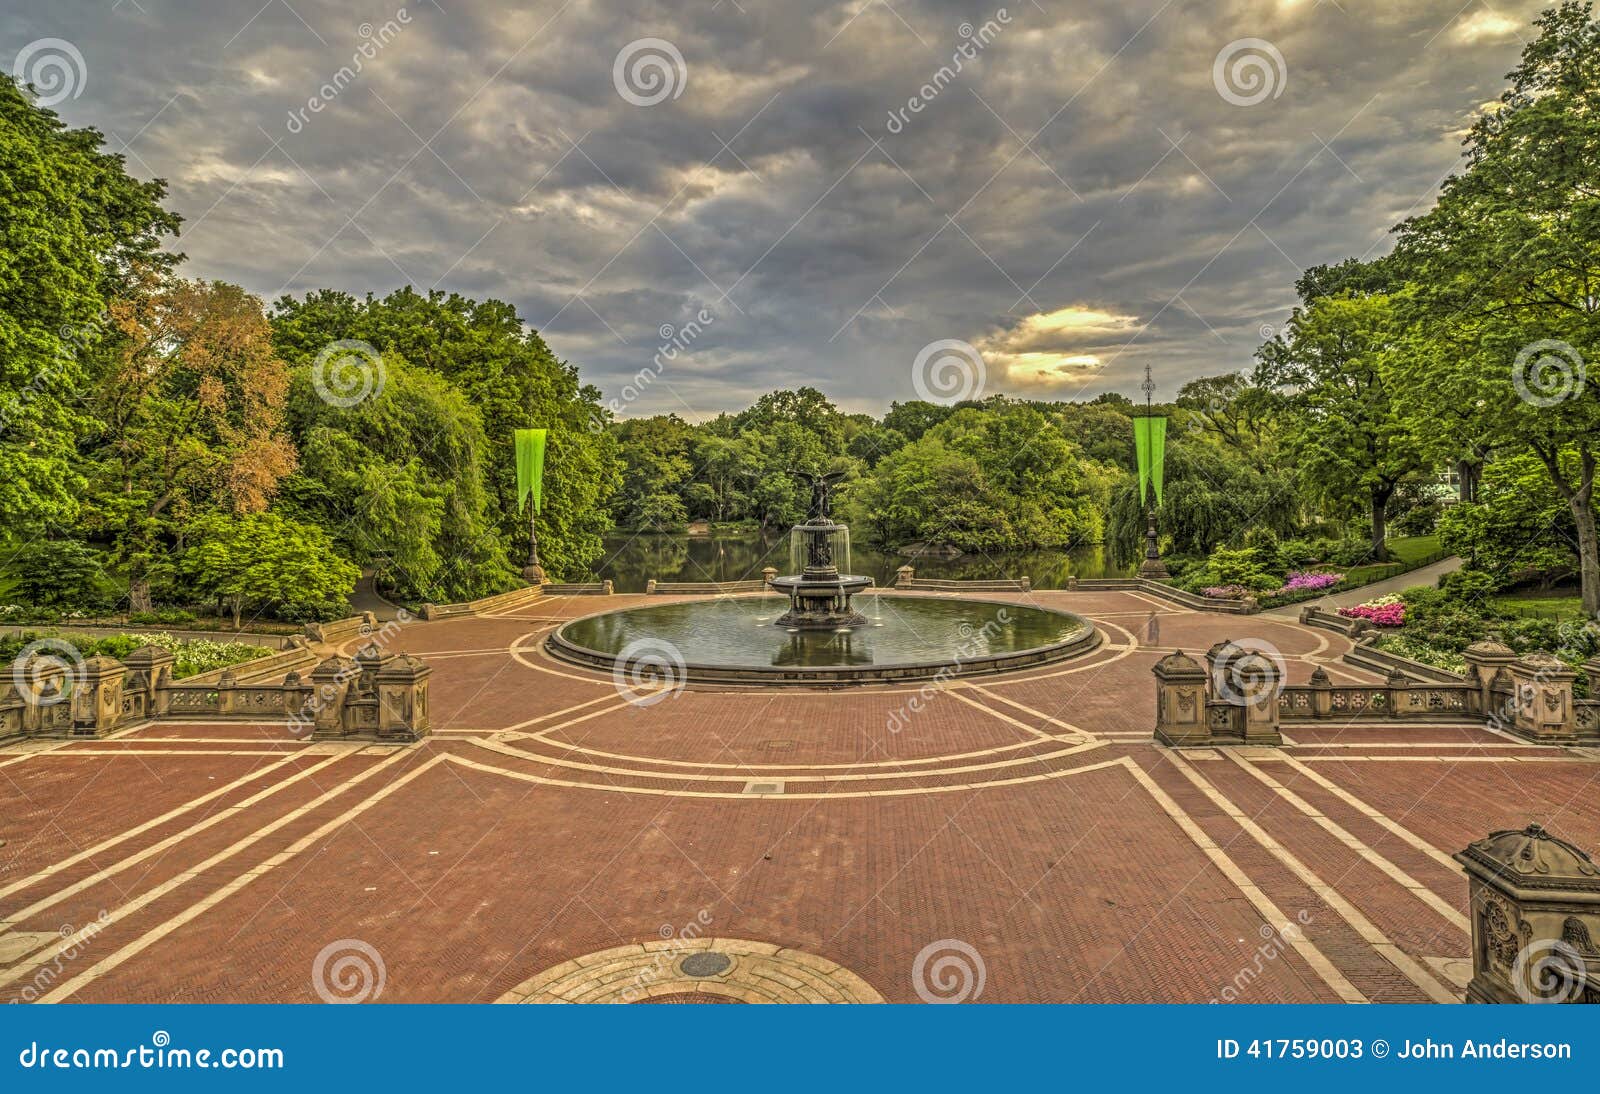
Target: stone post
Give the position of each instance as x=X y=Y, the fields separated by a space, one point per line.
x=1484 y=659
x=1544 y=698
x=1247 y=682
x=149 y=672
x=402 y=683
x=1535 y=906
x=97 y=697
x=650 y=585
x=767 y=574
x=1399 y=692
x=330 y=683
x=227 y=693
x=1180 y=701
x=904 y=576
x=1072 y=583
x=45 y=689
x=1321 y=693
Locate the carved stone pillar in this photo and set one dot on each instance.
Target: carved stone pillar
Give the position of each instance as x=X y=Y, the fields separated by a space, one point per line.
x=403 y=700
x=904 y=576
x=331 y=682
x=1180 y=701
x=1544 y=698
x=767 y=574
x=1535 y=904
x=1398 y=685
x=1246 y=682
x=97 y=697
x=1484 y=659
x=149 y=672
x=1321 y=693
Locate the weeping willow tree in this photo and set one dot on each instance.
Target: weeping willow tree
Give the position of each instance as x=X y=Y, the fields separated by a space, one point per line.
x=1212 y=498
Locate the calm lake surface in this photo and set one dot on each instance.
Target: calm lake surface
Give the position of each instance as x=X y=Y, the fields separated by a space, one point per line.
x=631 y=560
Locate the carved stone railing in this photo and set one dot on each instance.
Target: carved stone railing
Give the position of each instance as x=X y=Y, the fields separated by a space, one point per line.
x=377 y=696
x=342 y=630
x=1238 y=697
x=515 y=598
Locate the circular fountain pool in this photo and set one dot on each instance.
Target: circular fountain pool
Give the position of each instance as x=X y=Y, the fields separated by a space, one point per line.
x=737 y=640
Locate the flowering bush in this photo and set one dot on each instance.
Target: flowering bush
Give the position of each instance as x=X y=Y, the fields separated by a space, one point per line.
x=1385 y=611
x=1300 y=581
x=1226 y=592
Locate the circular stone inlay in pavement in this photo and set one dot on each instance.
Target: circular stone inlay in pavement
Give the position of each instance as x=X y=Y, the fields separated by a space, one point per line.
x=705 y=964
x=735 y=969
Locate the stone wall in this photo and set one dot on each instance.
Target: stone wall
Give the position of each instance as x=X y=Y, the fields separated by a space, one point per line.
x=375 y=696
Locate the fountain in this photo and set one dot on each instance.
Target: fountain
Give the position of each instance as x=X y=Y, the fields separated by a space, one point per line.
x=822 y=638
x=819 y=595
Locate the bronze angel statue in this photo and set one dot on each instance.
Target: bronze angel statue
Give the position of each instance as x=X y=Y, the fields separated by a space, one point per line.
x=821 y=491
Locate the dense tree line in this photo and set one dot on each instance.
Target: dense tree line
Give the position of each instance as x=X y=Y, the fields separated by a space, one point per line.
x=172 y=442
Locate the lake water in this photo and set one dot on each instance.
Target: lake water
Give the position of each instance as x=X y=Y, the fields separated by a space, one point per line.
x=631 y=560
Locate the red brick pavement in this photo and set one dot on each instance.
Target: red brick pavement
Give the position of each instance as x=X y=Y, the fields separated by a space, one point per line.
x=1034 y=822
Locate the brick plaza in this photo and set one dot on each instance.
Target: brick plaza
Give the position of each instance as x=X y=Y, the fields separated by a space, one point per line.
x=553 y=840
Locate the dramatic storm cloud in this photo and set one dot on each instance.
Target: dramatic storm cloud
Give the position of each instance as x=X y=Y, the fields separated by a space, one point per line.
x=1074 y=189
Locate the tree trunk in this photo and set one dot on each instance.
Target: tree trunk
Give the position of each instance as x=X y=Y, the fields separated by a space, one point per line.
x=1581 y=502
x=138 y=593
x=1588 y=551
x=1380 y=529
x=1469 y=472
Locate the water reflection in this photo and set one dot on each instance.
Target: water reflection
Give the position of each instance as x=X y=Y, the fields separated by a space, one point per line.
x=630 y=561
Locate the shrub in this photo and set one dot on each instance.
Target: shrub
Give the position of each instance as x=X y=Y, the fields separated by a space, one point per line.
x=1468 y=586
x=1245 y=567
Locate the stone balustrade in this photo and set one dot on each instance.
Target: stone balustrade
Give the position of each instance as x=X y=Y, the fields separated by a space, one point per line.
x=1238 y=697
x=376 y=696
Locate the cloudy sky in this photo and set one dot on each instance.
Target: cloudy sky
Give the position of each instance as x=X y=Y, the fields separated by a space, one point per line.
x=1076 y=190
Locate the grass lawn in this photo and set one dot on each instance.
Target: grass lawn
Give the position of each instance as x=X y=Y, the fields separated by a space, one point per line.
x=1407 y=552
x=1538 y=607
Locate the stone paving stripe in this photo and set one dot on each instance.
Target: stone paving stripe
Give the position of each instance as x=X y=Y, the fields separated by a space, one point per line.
x=1270 y=913
x=105 y=965
x=1369 y=932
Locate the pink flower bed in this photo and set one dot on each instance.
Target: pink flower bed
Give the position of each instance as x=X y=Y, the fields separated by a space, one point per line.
x=1306 y=580
x=1386 y=611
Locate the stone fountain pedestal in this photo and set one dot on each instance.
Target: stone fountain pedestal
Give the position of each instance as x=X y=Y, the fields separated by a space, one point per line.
x=819 y=596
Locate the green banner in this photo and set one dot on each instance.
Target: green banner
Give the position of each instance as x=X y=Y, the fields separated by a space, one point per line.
x=530 y=467
x=1150 y=446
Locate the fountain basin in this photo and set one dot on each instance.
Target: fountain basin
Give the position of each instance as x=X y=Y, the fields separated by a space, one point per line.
x=737 y=640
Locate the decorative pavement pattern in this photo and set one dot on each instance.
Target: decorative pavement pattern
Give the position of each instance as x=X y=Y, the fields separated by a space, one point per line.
x=1014 y=838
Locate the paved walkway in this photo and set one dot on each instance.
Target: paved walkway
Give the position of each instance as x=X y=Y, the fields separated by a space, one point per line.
x=1427 y=575
x=365 y=598
x=1014 y=838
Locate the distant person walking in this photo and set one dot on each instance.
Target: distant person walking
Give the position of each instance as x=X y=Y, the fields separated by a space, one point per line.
x=1152 y=630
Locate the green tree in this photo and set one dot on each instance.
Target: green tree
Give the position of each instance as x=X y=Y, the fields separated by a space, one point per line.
x=1507 y=275
x=989 y=477
x=509 y=374
x=1349 y=434
x=261 y=563
x=189 y=408
x=398 y=480
x=75 y=230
